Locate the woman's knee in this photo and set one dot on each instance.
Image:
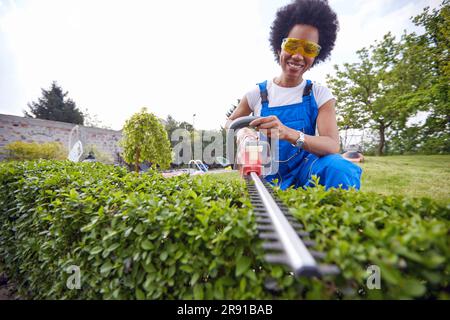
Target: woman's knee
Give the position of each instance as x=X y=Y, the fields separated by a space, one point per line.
x=335 y=171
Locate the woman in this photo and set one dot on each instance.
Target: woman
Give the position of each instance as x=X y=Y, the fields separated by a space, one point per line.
x=302 y=35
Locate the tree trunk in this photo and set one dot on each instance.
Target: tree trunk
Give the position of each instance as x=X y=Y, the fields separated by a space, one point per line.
x=136 y=161
x=382 y=141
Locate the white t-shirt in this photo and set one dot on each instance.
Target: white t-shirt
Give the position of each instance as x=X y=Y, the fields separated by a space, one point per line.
x=281 y=96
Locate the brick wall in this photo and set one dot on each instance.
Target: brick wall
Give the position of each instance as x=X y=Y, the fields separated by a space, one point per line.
x=14 y=128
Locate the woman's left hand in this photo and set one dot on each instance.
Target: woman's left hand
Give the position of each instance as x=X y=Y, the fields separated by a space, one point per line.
x=272 y=127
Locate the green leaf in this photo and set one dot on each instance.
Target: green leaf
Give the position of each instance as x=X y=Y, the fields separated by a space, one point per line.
x=113 y=247
x=242 y=265
x=139 y=229
x=414 y=288
x=96 y=250
x=198 y=292
x=192 y=194
x=186 y=268
x=128 y=232
x=194 y=278
x=73 y=194
x=242 y=284
x=218 y=290
x=149 y=267
x=171 y=272
x=277 y=272
x=251 y=275
x=140 y=295
x=163 y=256
x=90 y=226
x=147 y=245
x=288 y=281
x=149 y=284
x=106 y=268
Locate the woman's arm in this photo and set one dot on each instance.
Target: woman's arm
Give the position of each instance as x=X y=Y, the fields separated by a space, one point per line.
x=326 y=143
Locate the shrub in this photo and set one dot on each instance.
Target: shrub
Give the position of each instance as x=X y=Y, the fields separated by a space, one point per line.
x=133 y=236
x=100 y=155
x=145 y=139
x=407 y=238
x=142 y=236
x=19 y=150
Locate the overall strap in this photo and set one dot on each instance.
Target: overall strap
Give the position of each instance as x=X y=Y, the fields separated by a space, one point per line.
x=308 y=96
x=264 y=95
x=308 y=88
x=310 y=102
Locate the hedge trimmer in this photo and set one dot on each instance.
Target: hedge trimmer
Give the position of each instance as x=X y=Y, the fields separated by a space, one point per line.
x=284 y=238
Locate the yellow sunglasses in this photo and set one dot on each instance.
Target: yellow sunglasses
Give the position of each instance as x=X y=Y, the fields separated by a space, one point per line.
x=305 y=47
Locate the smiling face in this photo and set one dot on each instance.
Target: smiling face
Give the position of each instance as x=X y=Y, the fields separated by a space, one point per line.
x=294 y=66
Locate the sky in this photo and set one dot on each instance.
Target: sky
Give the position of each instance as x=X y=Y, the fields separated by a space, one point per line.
x=174 y=57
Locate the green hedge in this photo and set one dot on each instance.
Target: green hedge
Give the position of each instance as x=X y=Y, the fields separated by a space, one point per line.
x=407 y=238
x=20 y=150
x=143 y=236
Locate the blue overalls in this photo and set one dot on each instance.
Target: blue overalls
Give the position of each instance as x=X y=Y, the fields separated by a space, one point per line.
x=296 y=166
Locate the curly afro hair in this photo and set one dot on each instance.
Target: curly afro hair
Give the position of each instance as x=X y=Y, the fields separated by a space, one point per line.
x=316 y=13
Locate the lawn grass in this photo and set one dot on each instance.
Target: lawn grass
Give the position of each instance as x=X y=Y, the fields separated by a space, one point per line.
x=414 y=175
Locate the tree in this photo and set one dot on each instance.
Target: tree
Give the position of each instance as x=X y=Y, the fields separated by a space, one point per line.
x=233 y=107
x=92 y=120
x=394 y=80
x=377 y=92
x=54 y=105
x=434 y=47
x=145 y=139
x=186 y=125
x=172 y=125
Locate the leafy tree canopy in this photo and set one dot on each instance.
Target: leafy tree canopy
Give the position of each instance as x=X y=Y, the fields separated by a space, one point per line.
x=145 y=139
x=55 y=105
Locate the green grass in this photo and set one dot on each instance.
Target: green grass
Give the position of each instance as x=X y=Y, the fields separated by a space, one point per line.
x=415 y=176
x=226 y=176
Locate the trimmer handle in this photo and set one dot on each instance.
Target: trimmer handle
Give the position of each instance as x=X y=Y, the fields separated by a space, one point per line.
x=237 y=124
x=242 y=122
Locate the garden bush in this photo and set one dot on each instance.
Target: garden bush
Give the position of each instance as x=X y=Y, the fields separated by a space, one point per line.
x=145 y=139
x=141 y=236
x=20 y=150
x=407 y=238
x=99 y=154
